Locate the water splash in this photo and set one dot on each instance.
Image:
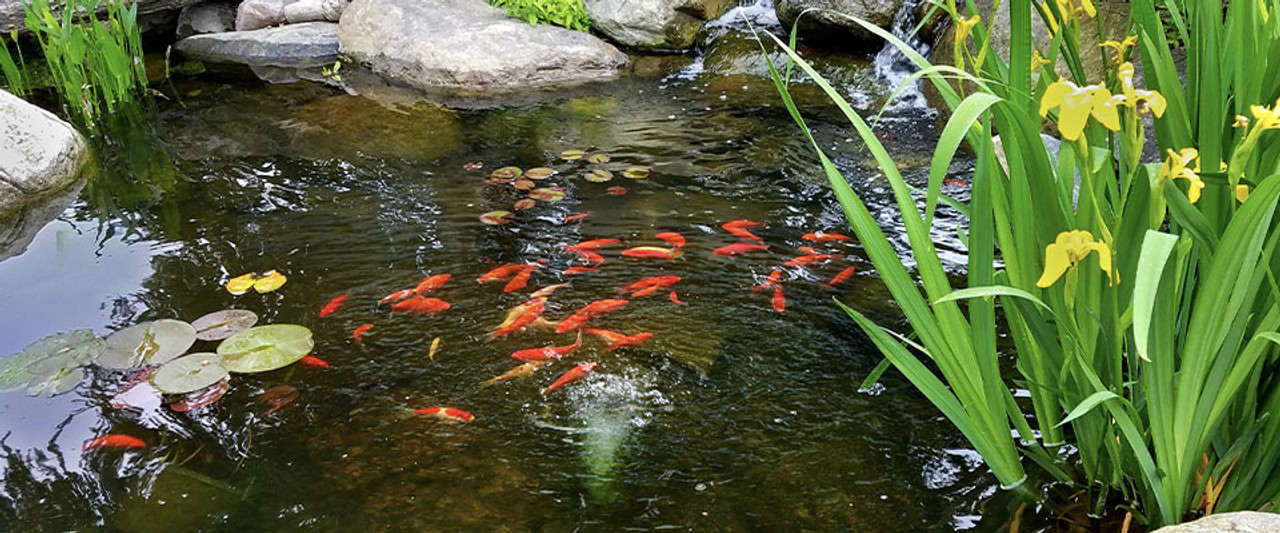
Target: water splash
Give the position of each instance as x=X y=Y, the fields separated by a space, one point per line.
x=893 y=67
x=609 y=407
x=759 y=13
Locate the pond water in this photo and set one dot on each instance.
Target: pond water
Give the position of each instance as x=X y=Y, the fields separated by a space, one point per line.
x=734 y=417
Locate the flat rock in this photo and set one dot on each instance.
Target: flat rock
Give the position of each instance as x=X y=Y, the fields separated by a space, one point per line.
x=469 y=46
x=39 y=153
x=1238 y=522
x=310 y=44
x=654 y=24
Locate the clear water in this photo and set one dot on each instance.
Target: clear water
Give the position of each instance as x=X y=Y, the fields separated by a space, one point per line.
x=733 y=418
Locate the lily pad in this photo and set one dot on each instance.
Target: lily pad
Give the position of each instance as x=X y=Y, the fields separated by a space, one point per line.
x=265 y=348
x=598 y=159
x=506 y=173
x=599 y=175
x=150 y=343
x=524 y=184
x=524 y=203
x=48 y=357
x=539 y=173
x=496 y=218
x=202 y=397
x=270 y=281
x=62 y=381
x=546 y=195
x=222 y=324
x=572 y=155
x=189 y=373
x=495 y=180
x=636 y=173
x=241 y=284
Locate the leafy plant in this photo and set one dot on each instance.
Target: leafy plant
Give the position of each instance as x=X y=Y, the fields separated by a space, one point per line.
x=570 y=14
x=15 y=75
x=1141 y=299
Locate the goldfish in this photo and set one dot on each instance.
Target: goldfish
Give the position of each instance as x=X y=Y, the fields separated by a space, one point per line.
x=604 y=334
x=825 y=237
x=806 y=260
x=571 y=271
x=630 y=340
x=333 y=305
x=616 y=190
x=779 y=301
x=313 y=361
x=591 y=245
x=736 y=228
x=772 y=281
x=546 y=352
x=955 y=182
x=572 y=375
x=500 y=273
x=591 y=257
x=739 y=249
x=435 y=345
x=432 y=283
x=517 y=372
x=651 y=285
x=447 y=413
x=741 y=223
x=675 y=239
x=573 y=218
x=397 y=296
x=114 y=440
x=808 y=250
x=521 y=279
x=358 y=334
x=521 y=316
x=546 y=291
x=590 y=311
x=421 y=304
x=675 y=299
x=651 y=252
x=843 y=275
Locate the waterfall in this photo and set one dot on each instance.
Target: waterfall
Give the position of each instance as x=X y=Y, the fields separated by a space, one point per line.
x=893 y=67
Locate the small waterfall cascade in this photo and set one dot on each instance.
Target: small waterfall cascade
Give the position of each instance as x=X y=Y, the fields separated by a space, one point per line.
x=893 y=67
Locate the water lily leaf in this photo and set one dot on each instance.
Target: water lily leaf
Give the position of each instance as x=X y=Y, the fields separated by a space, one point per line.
x=270 y=281
x=598 y=159
x=202 y=397
x=506 y=173
x=241 y=284
x=265 y=348
x=62 y=381
x=189 y=373
x=546 y=195
x=599 y=175
x=495 y=180
x=616 y=190
x=636 y=173
x=496 y=218
x=150 y=343
x=539 y=173
x=572 y=155
x=222 y=324
x=51 y=354
x=524 y=203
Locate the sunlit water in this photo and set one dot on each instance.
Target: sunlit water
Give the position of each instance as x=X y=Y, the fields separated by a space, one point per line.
x=733 y=418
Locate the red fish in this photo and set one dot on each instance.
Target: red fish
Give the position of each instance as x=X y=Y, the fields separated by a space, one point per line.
x=591 y=245
x=500 y=273
x=397 y=296
x=573 y=218
x=546 y=291
x=592 y=310
x=825 y=237
x=774 y=279
x=779 y=301
x=521 y=279
x=604 y=334
x=656 y=283
x=313 y=361
x=651 y=252
x=675 y=299
x=741 y=223
x=358 y=334
x=333 y=305
x=517 y=372
x=421 y=304
x=736 y=228
x=521 y=316
x=578 y=270
x=843 y=275
x=432 y=283
x=572 y=375
x=630 y=340
x=739 y=249
x=675 y=239
x=447 y=413
x=808 y=250
x=616 y=190
x=114 y=440
x=546 y=352
x=806 y=260
x=591 y=257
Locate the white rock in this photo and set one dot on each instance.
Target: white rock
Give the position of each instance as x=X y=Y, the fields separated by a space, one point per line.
x=39 y=153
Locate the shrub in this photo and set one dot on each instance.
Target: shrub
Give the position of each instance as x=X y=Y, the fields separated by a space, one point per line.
x=570 y=14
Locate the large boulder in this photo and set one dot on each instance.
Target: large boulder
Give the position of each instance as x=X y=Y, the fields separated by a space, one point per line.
x=466 y=45
x=822 y=25
x=1238 y=522
x=654 y=24
x=39 y=153
x=311 y=44
x=12 y=14
x=213 y=17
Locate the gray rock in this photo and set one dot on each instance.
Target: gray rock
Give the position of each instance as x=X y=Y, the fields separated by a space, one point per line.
x=826 y=26
x=1238 y=522
x=654 y=24
x=39 y=153
x=466 y=45
x=12 y=14
x=310 y=44
x=206 y=18
x=314 y=10
x=258 y=14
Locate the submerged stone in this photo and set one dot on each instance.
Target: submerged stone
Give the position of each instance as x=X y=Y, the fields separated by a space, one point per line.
x=310 y=44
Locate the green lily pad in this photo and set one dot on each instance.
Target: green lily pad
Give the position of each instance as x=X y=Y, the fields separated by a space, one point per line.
x=189 y=373
x=572 y=155
x=546 y=195
x=524 y=184
x=599 y=175
x=49 y=357
x=636 y=173
x=150 y=343
x=62 y=381
x=598 y=159
x=265 y=348
x=507 y=173
x=524 y=203
x=222 y=324
x=496 y=218
x=539 y=173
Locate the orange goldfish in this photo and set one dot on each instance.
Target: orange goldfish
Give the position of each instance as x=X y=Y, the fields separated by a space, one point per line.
x=574 y=218
x=630 y=340
x=741 y=223
x=651 y=285
x=546 y=352
x=517 y=372
x=806 y=260
x=651 y=252
x=358 y=334
x=808 y=250
x=739 y=249
x=519 y=317
x=500 y=273
x=397 y=296
x=591 y=257
x=447 y=413
x=604 y=334
x=432 y=283
x=591 y=245
x=675 y=299
x=421 y=304
x=779 y=301
x=675 y=239
x=572 y=375
x=616 y=191
x=333 y=305
x=546 y=291
x=114 y=440
x=571 y=271
x=825 y=237
x=590 y=311
x=843 y=275
x=772 y=281
x=736 y=228
x=313 y=361
x=521 y=279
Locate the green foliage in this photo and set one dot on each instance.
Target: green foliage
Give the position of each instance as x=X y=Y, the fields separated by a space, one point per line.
x=1142 y=300
x=570 y=14
x=15 y=75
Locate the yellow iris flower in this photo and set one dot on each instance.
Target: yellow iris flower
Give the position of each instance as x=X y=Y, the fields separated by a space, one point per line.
x=1120 y=47
x=1070 y=10
x=1267 y=118
x=1177 y=166
x=964 y=26
x=1038 y=60
x=1242 y=192
x=1067 y=251
x=1140 y=100
x=1075 y=105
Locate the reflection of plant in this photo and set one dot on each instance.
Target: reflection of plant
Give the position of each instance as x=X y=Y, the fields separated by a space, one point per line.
x=570 y=14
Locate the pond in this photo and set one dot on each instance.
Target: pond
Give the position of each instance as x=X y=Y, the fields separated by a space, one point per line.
x=732 y=417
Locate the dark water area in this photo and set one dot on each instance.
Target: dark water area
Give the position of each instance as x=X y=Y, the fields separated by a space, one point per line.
x=734 y=417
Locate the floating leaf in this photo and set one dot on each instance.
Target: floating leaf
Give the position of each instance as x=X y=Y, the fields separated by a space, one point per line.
x=496 y=218
x=276 y=397
x=572 y=155
x=270 y=281
x=616 y=190
x=241 y=284
x=62 y=381
x=539 y=173
x=202 y=397
x=222 y=324
x=636 y=173
x=49 y=357
x=265 y=348
x=506 y=173
x=524 y=184
x=546 y=195
x=599 y=175
x=524 y=203
x=494 y=180
x=150 y=343
x=598 y=159
x=189 y=373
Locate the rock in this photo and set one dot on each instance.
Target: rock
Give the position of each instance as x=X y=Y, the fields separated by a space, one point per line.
x=310 y=44
x=466 y=45
x=829 y=27
x=314 y=10
x=206 y=18
x=654 y=24
x=1238 y=522
x=39 y=153
x=258 y=14
x=12 y=14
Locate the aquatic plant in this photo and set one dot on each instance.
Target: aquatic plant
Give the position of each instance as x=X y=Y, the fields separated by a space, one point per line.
x=570 y=14
x=14 y=72
x=1141 y=297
